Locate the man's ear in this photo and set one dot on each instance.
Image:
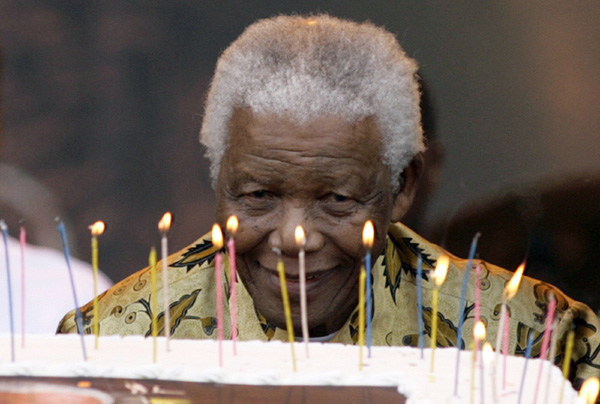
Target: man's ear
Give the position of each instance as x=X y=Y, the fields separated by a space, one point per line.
x=409 y=180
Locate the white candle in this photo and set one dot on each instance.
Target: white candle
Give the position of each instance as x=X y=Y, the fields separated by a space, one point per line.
x=163 y=226
x=232 y=227
x=301 y=242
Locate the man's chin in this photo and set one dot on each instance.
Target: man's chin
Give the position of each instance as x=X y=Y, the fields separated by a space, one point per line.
x=316 y=328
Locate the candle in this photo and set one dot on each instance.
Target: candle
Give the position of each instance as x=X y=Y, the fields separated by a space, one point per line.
x=286 y=305
x=301 y=242
x=439 y=276
x=420 y=302
x=510 y=290
x=361 y=315
x=567 y=361
x=479 y=334
x=22 y=242
x=163 y=226
x=545 y=341
x=461 y=306
x=153 y=301
x=4 y=229
x=589 y=391
x=217 y=240
x=96 y=229
x=551 y=357
x=78 y=319
x=368 y=238
x=232 y=227
x=477 y=302
x=463 y=291
x=527 y=356
x=487 y=353
x=505 y=341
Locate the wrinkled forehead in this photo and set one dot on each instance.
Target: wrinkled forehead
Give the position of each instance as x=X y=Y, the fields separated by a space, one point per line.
x=329 y=151
x=326 y=130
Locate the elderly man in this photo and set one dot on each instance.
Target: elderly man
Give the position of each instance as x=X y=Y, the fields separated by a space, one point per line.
x=315 y=122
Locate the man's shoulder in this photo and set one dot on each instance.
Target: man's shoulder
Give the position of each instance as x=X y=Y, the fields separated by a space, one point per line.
x=530 y=302
x=189 y=270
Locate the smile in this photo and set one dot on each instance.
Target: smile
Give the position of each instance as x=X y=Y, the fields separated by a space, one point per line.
x=308 y=276
x=313 y=280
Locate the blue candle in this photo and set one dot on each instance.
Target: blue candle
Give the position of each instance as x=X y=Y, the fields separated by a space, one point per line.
x=4 y=229
x=527 y=356
x=463 y=293
x=78 y=319
x=368 y=238
x=420 y=303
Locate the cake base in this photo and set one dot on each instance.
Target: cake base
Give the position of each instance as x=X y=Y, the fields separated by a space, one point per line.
x=267 y=368
x=33 y=390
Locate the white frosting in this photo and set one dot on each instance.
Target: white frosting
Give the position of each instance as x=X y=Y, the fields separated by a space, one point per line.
x=262 y=363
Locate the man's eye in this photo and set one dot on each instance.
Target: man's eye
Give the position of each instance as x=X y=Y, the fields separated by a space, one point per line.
x=334 y=198
x=259 y=194
x=339 y=198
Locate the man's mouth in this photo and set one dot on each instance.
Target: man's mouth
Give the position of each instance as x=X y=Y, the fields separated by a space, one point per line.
x=313 y=280
x=309 y=277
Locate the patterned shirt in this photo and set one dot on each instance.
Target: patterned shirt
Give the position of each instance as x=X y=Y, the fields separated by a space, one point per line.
x=126 y=307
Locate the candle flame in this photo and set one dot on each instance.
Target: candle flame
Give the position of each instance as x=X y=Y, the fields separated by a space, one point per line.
x=479 y=331
x=232 y=224
x=441 y=270
x=165 y=223
x=97 y=228
x=513 y=285
x=217 y=236
x=589 y=391
x=300 y=237
x=488 y=353
x=368 y=235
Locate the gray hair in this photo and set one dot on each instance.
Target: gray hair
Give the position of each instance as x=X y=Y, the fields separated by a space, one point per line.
x=305 y=67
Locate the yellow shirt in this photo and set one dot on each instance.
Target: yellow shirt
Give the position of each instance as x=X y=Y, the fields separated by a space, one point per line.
x=126 y=307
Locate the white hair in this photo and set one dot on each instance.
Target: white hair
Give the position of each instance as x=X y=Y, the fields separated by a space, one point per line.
x=305 y=67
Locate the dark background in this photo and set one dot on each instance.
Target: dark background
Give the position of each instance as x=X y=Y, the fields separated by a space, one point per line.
x=103 y=104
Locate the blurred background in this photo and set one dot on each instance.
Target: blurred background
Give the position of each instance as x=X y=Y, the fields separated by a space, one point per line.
x=103 y=104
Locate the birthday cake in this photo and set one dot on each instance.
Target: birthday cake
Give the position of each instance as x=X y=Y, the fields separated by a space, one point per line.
x=270 y=364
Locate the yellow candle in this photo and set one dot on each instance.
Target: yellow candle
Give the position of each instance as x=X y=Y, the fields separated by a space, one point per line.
x=96 y=230
x=286 y=308
x=567 y=361
x=568 y=353
x=153 y=303
x=439 y=276
x=361 y=314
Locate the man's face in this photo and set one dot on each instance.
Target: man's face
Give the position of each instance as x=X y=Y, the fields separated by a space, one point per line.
x=326 y=175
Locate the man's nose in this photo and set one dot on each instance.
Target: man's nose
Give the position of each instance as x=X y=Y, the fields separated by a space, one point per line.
x=283 y=236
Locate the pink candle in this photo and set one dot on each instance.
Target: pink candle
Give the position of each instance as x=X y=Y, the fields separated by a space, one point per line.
x=477 y=304
x=510 y=290
x=545 y=341
x=232 y=226
x=217 y=240
x=23 y=242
